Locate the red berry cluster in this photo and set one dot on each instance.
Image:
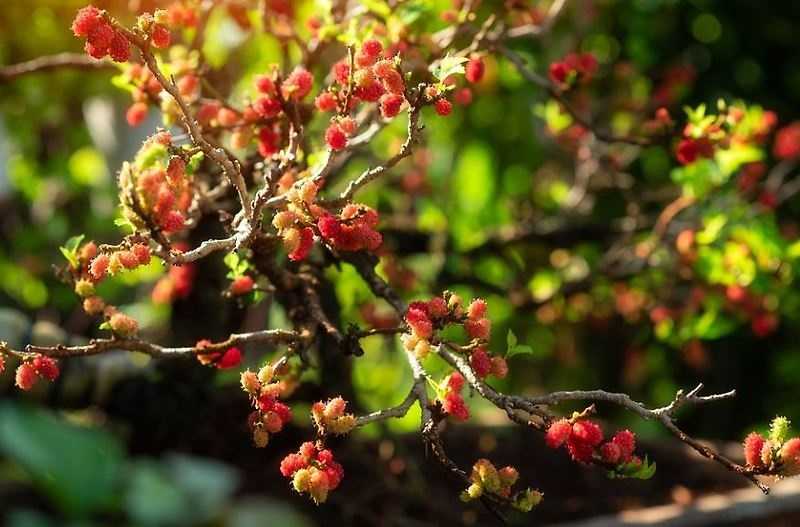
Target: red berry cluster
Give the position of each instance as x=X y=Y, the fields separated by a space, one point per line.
x=313 y=470
x=484 y=365
x=40 y=367
x=329 y=417
x=424 y=318
x=420 y=319
x=477 y=325
x=167 y=195
x=93 y=267
x=269 y=415
x=375 y=79
x=294 y=223
x=101 y=37
x=452 y=401
x=163 y=190
x=353 y=230
x=774 y=454
x=230 y=358
x=574 y=67
x=583 y=439
x=117 y=261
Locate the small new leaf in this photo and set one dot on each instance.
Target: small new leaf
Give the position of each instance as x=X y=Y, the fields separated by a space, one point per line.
x=448 y=66
x=633 y=470
x=70 y=250
x=513 y=348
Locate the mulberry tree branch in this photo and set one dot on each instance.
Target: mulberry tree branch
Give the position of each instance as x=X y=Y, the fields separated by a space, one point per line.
x=78 y=61
x=98 y=346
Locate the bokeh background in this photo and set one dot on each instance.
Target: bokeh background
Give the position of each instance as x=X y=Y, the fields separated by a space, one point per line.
x=122 y=440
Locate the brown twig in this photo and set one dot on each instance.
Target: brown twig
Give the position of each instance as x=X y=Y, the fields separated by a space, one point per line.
x=79 y=61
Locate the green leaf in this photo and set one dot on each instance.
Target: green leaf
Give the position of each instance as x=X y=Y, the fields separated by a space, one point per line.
x=511 y=340
x=237 y=265
x=124 y=223
x=78 y=467
x=448 y=66
x=194 y=162
x=70 y=250
x=523 y=349
x=698 y=178
x=633 y=470
x=516 y=349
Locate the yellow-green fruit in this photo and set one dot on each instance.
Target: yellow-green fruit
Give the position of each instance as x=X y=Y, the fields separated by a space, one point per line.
x=342 y=425
x=779 y=429
x=265 y=373
x=301 y=480
x=84 y=288
x=474 y=491
x=527 y=500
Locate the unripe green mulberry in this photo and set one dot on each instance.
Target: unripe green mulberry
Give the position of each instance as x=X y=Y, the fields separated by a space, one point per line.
x=779 y=429
x=84 y=288
x=527 y=500
x=301 y=480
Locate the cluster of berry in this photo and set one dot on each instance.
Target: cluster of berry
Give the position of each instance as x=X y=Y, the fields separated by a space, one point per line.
x=484 y=365
x=774 y=453
x=486 y=478
x=583 y=439
x=292 y=224
x=573 y=68
x=452 y=400
x=424 y=318
x=29 y=371
x=313 y=470
x=375 y=78
x=329 y=417
x=92 y=267
x=269 y=415
x=104 y=264
x=352 y=230
x=101 y=37
x=161 y=184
